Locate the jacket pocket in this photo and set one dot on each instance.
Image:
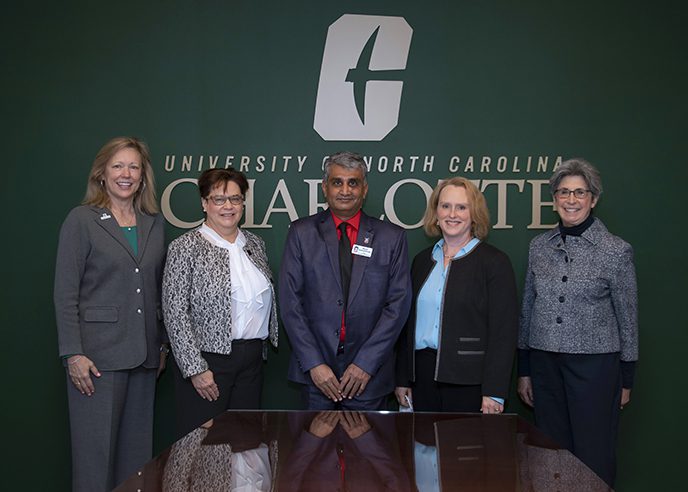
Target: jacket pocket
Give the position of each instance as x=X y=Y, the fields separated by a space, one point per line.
x=474 y=348
x=101 y=315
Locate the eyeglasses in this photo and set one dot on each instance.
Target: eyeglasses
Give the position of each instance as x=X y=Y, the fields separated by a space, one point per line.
x=220 y=200
x=565 y=193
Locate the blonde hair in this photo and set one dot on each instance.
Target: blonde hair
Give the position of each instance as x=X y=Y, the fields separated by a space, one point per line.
x=480 y=215
x=96 y=194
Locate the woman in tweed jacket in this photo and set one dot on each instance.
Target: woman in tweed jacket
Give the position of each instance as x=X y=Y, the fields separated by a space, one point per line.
x=578 y=339
x=219 y=306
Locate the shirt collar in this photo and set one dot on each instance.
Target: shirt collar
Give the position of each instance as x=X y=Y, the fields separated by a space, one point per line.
x=353 y=222
x=438 y=253
x=592 y=234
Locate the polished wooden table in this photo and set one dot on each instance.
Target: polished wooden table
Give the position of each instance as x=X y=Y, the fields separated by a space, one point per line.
x=364 y=451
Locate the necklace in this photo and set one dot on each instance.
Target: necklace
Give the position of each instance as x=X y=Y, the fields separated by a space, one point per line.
x=445 y=248
x=124 y=218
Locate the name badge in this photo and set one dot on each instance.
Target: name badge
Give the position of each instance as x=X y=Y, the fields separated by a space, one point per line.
x=362 y=250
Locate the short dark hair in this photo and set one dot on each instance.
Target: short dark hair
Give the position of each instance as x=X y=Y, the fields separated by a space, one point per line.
x=349 y=160
x=210 y=178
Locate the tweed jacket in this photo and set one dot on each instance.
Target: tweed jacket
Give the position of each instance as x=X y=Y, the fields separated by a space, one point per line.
x=107 y=299
x=196 y=298
x=204 y=461
x=580 y=296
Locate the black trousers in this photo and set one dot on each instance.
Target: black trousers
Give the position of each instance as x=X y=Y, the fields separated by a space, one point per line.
x=431 y=396
x=577 y=403
x=239 y=378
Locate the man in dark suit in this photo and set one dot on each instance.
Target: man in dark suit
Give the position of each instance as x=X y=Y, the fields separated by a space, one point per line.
x=342 y=337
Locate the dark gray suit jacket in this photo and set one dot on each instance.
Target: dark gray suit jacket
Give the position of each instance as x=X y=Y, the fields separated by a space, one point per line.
x=311 y=299
x=107 y=300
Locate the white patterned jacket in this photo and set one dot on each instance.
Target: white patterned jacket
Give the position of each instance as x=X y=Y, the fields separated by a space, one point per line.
x=196 y=298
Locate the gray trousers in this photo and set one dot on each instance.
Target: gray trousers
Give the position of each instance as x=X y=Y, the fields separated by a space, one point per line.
x=111 y=430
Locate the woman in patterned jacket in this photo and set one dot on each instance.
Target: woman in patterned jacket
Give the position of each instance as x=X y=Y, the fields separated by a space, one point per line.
x=219 y=306
x=578 y=339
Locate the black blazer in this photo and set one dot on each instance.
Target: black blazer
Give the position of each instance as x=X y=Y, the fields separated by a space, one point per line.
x=479 y=321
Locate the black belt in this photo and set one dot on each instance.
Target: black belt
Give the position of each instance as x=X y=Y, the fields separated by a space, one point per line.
x=246 y=341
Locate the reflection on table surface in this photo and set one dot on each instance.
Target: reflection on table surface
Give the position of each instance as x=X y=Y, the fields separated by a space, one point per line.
x=364 y=451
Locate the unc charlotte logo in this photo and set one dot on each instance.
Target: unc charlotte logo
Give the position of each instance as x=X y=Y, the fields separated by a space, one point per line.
x=359 y=92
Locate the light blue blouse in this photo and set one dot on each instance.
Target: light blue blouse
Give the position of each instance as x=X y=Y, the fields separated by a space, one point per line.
x=429 y=302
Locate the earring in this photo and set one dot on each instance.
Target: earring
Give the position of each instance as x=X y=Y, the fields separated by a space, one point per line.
x=102 y=183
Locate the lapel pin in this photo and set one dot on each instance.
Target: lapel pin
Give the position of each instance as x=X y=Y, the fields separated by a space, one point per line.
x=105 y=216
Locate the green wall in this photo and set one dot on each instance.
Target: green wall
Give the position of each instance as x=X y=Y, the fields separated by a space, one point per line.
x=602 y=80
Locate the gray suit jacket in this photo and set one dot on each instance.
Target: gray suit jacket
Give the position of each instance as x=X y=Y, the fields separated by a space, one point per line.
x=107 y=300
x=580 y=296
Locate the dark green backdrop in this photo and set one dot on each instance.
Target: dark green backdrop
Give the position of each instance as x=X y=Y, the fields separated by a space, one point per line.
x=602 y=80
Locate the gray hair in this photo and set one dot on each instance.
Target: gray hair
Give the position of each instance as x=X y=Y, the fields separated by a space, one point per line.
x=348 y=160
x=577 y=167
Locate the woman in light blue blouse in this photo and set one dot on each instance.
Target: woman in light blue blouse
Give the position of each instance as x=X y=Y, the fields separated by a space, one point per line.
x=456 y=351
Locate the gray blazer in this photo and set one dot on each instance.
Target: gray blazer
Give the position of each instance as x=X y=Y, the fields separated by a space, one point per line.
x=196 y=297
x=580 y=296
x=107 y=300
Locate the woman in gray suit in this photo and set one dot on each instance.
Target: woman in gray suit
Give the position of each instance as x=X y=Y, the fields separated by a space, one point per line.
x=219 y=305
x=107 y=305
x=578 y=336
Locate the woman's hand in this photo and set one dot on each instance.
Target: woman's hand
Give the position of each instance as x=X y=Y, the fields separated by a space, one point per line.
x=164 y=352
x=625 y=397
x=401 y=392
x=204 y=383
x=80 y=369
x=525 y=390
x=491 y=406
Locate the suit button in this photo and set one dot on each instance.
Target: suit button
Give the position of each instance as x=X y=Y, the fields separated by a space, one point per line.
x=136 y=270
x=564 y=278
x=139 y=311
x=340 y=302
x=138 y=291
x=559 y=320
x=561 y=298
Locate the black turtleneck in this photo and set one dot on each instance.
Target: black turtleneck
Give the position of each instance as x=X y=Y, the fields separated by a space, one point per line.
x=576 y=230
